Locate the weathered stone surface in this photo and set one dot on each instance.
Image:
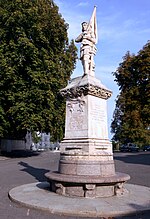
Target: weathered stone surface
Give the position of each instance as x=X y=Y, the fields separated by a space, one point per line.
x=85 y=85
x=114 y=179
x=36 y=195
x=87 y=186
x=87 y=146
x=105 y=191
x=86 y=117
x=86 y=167
x=90 y=186
x=76 y=190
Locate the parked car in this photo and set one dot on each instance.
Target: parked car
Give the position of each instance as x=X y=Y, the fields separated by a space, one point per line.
x=129 y=148
x=133 y=148
x=123 y=148
x=146 y=148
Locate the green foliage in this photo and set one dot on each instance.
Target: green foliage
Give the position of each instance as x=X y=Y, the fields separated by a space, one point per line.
x=35 y=137
x=36 y=61
x=131 y=121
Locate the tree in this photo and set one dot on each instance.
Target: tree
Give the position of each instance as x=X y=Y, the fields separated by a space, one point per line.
x=131 y=120
x=36 y=61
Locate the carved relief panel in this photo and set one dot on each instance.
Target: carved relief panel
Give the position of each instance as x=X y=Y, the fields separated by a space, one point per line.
x=76 y=118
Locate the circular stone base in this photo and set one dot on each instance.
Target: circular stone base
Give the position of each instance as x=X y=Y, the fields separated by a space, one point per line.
x=87 y=186
x=37 y=195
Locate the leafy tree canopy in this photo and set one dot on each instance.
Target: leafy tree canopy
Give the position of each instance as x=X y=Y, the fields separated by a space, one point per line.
x=131 y=120
x=36 y=61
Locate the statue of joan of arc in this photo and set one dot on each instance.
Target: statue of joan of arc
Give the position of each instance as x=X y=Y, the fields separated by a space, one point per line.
x=88 y=39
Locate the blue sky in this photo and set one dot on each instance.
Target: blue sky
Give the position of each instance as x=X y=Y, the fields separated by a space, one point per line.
x=123 y=25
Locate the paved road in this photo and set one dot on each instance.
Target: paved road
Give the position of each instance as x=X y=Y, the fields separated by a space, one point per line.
x=18 y=170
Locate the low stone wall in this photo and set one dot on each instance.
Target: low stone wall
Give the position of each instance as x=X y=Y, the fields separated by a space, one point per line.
x=8 y=145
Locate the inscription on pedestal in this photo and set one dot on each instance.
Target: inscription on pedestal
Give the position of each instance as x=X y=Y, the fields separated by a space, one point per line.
x=97 y=118
x=97 y=113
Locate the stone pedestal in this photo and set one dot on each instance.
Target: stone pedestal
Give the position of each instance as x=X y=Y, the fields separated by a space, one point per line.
x=86 y=166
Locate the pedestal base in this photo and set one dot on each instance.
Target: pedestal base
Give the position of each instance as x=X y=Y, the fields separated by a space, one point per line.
x=87 y=168
x=87 y=186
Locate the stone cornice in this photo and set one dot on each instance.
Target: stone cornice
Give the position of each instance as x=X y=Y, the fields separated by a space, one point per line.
x=86 y=89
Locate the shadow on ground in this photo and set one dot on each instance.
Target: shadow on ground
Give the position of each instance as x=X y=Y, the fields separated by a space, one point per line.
x=20 y=153
x=142 y=215
x=37 y=173
x=135 y=158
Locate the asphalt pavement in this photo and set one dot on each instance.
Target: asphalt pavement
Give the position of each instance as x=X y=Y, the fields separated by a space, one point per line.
x=20 y=169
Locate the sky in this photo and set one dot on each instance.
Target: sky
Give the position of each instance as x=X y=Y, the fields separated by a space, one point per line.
x=123 y=25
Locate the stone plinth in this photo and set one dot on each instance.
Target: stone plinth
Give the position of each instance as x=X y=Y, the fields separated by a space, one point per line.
x=86 y=166
x=87 y=186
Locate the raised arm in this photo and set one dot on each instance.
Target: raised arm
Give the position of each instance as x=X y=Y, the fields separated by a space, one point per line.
x=79 y=38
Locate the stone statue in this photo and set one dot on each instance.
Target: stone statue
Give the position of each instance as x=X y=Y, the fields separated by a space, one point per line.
x=88 y=39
